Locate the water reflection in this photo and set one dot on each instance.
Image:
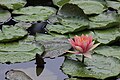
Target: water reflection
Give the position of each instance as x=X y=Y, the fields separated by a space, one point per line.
x=51 y=70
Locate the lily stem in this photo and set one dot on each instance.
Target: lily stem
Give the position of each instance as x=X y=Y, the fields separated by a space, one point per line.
x=83 y=57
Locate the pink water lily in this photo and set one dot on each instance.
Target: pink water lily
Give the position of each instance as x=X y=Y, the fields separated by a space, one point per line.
x=83 y=45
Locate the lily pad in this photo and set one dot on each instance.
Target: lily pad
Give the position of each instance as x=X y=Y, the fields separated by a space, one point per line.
x=77 y=79
x=107 y=36
x=86 y=32
x=72 y=79
x=23 y=25
x=99 y=67
x=109 y=51
x=104 y=20
x=11 y=33
x=113 y=4
x=12 y=4
x=90 y=7
x=71 y=20
x=19 y=52
x=60 y=2
x=4 y=15
x=37 y=13
x=54 y=45
x=75 y=11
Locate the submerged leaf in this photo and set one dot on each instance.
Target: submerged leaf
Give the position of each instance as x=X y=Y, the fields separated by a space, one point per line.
x=17 y=75
x=54 y=45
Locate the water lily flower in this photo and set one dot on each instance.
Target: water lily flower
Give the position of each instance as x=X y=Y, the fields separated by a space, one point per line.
x=83 y=45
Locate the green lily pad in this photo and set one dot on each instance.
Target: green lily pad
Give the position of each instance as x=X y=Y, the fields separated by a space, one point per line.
x=23 y=25
x=35 y=10
x=75 y=11
x=99 y=67
x=107 y=36
x=54 y=45
x=71 y=20
x=11 y=33
x=12 y=4
x=60 y=2
x=28 y=39
x=4 y=15
x=109 y=51
x=73 y=79
x=90 y=7
x=30 y=14
x=113 y=4
x=68 y=27
x=104 y=20
x=85 y=32
x=18 y=52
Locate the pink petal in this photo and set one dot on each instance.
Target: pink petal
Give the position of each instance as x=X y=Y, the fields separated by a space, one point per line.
x=72 y=42
x=79 y=49
x=94 y=46
x=88 y=55
x=90 y=39
x=74 y=52
x=90 y=46
x=76 y=39
x=82 y=35
x=85 y=46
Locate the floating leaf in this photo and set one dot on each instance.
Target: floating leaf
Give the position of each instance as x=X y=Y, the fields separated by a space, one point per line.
x=18 y=52
x=23 y=25
x=28 y=39
x=72 y=79
x=99 y=67
x=35 y=10
x=104 y=20
x=11 y=33
x=60 y=2
x=109 y=51
x=12 y=4
x=88 y=32
x=107 y=36
x=71 y=20
x=71 y=10
x=113 y=4
x=90 y=7
x=54 y=45
x=77 y=79
x=4 y=15
x=30 y=14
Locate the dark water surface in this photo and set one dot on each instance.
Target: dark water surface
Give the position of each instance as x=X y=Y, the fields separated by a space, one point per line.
x=51 y=70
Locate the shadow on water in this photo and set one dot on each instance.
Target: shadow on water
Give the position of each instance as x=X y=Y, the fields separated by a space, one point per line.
x=51 y=70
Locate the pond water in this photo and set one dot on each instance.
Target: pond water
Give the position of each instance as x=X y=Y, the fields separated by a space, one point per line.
x=51 y=69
